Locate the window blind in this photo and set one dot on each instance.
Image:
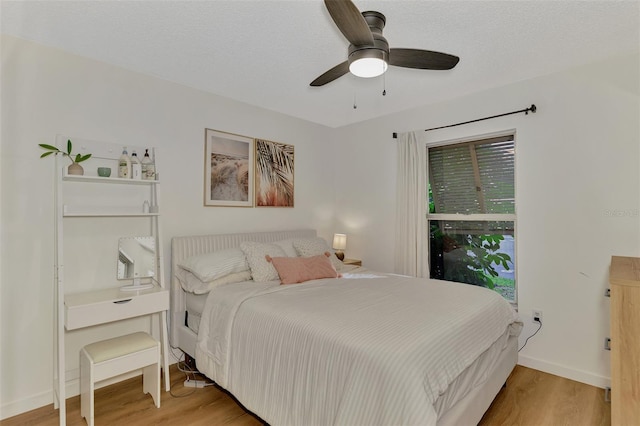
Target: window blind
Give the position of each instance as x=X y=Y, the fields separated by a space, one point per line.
x=473 y=177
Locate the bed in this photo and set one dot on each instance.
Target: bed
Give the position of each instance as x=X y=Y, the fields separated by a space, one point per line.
x=367 y=348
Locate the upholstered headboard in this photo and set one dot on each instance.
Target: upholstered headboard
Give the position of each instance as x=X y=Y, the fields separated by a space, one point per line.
x=184 y=247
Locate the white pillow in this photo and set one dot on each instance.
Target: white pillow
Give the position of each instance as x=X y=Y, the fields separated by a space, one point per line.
x=256 y=253
x=308 y=247
x=193 y=284
x=217 y=264
x=287 y=247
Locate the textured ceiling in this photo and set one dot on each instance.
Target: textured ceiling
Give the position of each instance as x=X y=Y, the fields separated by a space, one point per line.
x=266 y=53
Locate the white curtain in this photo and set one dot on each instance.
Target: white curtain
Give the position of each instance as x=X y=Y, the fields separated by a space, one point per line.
x=411 y=204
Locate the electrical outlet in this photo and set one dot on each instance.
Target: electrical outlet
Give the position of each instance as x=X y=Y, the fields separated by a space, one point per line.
x=536 y=315
x=194 y=383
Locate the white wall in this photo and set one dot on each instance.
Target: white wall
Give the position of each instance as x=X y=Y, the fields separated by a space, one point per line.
x=47 y=92
x=578 y=197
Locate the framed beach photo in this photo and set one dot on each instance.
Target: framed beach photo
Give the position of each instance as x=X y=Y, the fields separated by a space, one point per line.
x=228 y=169
x=274 y=174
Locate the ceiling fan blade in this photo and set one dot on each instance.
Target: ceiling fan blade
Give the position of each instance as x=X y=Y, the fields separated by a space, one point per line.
x=350 y=22
x=422 y=59
x=334 y=73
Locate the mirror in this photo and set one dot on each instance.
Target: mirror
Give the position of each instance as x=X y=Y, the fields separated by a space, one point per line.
x=136 y=258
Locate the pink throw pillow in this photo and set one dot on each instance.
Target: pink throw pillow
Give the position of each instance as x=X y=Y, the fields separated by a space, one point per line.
x=293 y=270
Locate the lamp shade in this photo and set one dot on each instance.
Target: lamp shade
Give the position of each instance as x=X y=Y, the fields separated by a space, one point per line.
x=368 y=62
x=339 y=241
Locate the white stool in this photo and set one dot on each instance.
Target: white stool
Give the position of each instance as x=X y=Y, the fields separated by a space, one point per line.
x=112 y=357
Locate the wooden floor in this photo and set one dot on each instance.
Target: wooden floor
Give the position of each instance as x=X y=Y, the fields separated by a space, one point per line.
x=534 y=398
x=530 y=398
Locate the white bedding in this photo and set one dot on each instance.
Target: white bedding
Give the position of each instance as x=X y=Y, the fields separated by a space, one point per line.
x=359 y=351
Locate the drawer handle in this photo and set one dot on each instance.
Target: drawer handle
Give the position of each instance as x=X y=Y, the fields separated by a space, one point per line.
x=123 y=301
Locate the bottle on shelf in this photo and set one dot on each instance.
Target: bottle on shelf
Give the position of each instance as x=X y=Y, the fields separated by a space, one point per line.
x=136 y=167
x=124 y=165
x=148 y=167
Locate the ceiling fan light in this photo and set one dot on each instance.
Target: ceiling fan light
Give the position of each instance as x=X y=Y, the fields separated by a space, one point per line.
x=368 y=63
x=368 y=67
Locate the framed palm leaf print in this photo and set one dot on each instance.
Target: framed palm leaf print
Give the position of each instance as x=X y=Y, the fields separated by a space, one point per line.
x=274 y=174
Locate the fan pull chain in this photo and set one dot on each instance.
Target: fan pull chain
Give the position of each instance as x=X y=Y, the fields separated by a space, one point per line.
x=384 y=84
x=355 y=105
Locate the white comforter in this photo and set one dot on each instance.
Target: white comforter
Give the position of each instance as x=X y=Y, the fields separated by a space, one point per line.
x=349 y=351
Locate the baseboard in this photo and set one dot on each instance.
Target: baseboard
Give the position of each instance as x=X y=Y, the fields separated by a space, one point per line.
x=41 y=399
x=72 y=389
x=32 y=402
x=46 y=398
x=564 y=371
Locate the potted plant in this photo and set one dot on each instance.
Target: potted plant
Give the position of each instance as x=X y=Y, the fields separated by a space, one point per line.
x=74 y=168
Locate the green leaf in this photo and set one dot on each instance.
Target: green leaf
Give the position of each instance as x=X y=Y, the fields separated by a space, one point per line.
x=69 y=147
x=51 y=147
x=81 y=158
x=46 y=153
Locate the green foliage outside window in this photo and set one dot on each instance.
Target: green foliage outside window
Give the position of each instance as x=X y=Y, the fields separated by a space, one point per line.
x=479 y=256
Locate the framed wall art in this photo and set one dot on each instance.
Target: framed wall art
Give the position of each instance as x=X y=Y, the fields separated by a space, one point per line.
x=228 y=169
x=274 y=174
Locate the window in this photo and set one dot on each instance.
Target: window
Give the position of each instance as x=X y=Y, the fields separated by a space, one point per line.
x=471 y=217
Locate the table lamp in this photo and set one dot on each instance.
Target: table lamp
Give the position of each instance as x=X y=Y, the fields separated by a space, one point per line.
x=339 y=244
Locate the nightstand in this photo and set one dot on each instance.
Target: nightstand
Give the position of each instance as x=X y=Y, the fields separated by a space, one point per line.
x=356 y=262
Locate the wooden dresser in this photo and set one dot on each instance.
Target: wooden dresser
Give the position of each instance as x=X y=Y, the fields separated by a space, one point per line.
x=624 y=277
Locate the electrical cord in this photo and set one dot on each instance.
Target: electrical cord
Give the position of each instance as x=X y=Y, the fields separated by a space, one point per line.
x=189 y=374
x=183 y=367
x=536 y=332
x=178 y=357
x=175 y=395
x=184 y=370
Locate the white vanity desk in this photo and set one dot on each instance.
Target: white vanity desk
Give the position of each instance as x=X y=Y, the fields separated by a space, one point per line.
x=80 y=201
x=102 y=306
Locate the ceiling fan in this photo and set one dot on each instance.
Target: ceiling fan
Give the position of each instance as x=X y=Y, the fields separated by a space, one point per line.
x=369 y=54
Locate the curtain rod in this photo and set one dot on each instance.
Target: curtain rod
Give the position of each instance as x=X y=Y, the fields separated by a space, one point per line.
x=532 y=108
